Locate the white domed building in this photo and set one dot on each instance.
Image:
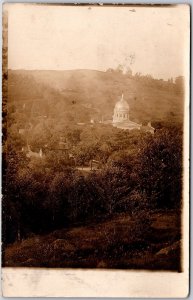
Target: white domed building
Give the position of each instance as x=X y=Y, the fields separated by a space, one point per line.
x=121 y=116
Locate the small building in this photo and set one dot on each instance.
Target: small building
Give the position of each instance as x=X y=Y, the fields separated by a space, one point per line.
x=21 y=131
x=31 y=154
x=148 y=128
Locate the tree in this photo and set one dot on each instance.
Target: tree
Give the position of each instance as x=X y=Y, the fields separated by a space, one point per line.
x=160 y=168
x=180 y=83
x=120 y=68
x=57 y=202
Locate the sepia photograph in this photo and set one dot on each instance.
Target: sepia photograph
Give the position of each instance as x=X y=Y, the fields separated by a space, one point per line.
x=95 y=128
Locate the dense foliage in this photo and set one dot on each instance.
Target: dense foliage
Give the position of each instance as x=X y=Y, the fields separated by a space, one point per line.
x=138 y=171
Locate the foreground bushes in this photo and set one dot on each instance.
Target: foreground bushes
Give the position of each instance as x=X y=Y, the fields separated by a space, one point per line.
x=138 y=241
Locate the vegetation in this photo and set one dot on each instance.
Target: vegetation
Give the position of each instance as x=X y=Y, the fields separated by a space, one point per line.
x=76 y=217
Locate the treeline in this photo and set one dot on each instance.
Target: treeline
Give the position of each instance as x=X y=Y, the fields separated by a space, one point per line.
x=175 y=85
x=139 y=171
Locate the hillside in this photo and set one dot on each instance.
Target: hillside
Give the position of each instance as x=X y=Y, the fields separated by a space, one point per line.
x=126 y=212
x=140 y=241
x=95 y=93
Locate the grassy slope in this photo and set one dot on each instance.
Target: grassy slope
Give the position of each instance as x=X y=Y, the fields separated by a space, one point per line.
x=137 y=241
x=103 y=89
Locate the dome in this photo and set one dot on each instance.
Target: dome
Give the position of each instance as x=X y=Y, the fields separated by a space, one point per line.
x=121 y=111
x=122 y=105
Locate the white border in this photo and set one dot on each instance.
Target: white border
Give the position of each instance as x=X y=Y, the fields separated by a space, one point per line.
x=91 y=283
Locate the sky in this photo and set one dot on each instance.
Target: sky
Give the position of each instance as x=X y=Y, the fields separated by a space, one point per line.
x=149 y=40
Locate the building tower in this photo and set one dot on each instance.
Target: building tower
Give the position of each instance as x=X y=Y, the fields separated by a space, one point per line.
x=121 y=111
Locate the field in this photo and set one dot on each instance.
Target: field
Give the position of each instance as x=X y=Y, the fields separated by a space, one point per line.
x=140 y=241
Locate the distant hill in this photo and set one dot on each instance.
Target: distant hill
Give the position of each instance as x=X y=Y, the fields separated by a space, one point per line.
x=94 y=93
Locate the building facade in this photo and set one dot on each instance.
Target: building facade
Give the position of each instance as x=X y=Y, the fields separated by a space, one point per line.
x=121 y=118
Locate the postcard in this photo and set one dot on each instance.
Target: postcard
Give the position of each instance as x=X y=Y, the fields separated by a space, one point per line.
x=95 y=150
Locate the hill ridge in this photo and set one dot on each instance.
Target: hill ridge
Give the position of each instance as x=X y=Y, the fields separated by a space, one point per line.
x=148 y=100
